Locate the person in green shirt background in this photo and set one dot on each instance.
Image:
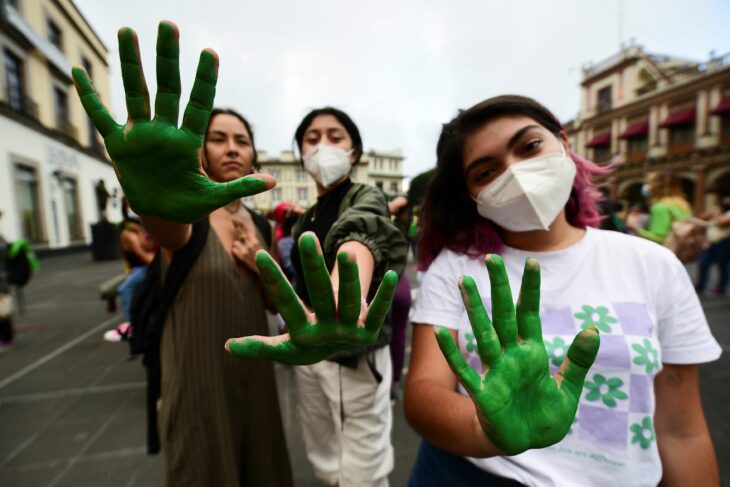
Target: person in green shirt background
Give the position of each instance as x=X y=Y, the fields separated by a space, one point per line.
x=668 y=203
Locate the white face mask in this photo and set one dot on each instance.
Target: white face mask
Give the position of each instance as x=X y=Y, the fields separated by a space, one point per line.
x=327 y=164
x=529 y=195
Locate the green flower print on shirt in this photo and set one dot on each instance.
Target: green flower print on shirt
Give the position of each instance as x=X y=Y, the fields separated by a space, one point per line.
x=471 y=343
x=597 y=317
x=648 y=356
x=607 y=390
x=556 y=350
x=643 y=433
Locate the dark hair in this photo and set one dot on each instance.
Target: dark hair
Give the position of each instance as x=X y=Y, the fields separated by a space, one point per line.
x=229 y=111
x=449 y=217
x=341 y=117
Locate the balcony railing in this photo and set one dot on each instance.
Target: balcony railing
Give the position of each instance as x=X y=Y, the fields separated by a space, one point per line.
x=713 y=64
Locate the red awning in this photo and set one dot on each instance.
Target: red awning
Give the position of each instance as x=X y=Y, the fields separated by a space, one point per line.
x=722 y=107
x=685 y=116
x=638 y=129
x=600 y=140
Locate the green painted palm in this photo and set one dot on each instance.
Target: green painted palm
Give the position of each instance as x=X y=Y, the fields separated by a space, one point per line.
x=156 y=162
x=519 y=404
x=332 y=326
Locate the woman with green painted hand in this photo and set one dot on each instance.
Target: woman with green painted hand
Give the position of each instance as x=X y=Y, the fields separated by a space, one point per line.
x=345 y=400
x=507 y=394
x=219 y=416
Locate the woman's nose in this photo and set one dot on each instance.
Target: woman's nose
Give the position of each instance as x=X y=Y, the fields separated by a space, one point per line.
x=231 y=146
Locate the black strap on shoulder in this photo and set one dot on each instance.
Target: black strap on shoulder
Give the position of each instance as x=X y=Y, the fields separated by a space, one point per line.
x=158 y=300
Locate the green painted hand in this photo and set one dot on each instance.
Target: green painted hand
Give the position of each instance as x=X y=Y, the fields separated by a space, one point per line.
x=519 y=405
x=333 y=326
x=156 y=162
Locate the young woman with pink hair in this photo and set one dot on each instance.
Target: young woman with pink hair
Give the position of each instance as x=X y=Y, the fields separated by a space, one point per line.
x=507 y=183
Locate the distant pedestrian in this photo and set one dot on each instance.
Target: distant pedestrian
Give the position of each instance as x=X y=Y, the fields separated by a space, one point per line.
x=6 y=298
x=718 y=253
x=668 y=204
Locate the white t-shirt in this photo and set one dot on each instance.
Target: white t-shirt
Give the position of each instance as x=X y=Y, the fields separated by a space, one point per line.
x=641 y=299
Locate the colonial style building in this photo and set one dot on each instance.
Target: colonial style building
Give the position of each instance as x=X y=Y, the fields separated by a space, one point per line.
x=51 y=157
x=381 y=169
x=644 y=112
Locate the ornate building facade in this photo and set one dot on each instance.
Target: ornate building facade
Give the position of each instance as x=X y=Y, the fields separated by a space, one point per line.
x=643 y=112
x=377 y=168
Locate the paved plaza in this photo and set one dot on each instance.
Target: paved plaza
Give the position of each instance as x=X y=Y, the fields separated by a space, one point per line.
x=72 y=406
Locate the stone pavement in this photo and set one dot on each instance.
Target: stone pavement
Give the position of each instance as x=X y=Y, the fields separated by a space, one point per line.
x=72 y=408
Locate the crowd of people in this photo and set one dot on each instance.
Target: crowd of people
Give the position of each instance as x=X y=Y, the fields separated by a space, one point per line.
x=589 y=377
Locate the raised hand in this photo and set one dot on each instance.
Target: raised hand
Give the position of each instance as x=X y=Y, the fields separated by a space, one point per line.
x=156 y=162
x=332 y=327
x=519 y=404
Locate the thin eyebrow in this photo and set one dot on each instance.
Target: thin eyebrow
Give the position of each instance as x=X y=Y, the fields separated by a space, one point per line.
x=512 y=142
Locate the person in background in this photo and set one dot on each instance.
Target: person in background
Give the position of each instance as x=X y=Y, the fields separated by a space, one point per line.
x=285 y=245
x=6 y=299
x=402 y=212
x=610 y=210
x=281 y=212
x=637 y=216
x=138 y=250
x=668 y=204
x=718 y=253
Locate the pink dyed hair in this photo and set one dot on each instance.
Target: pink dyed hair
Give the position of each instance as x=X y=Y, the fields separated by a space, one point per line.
x=451 y=221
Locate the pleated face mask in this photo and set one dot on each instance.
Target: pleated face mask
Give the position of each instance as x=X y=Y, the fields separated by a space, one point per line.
x=327 y=164
x=530 y=194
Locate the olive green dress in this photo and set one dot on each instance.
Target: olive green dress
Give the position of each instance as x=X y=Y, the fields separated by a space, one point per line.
x=220 y=423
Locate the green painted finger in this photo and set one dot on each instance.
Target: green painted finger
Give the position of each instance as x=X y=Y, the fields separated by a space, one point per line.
x=488 y=345
x=223 y=193
x=528 y=304
x=317 y=278
x=380 y=305
x=167 y=101
x=280 y=291
x=581 y=355
x=93 y=106
x=461 y=369
x=135 y=87
x=285 y=352
x=503 y=308
x=202 y=95
x=350 y=298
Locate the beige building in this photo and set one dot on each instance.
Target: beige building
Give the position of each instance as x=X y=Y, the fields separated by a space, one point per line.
x=645 y=112
x=51 y=157
x=377 y=168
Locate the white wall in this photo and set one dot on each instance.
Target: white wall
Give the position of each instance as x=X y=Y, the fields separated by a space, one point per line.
x=20 y=144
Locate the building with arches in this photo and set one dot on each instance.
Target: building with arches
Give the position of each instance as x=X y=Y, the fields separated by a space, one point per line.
x=643 y=112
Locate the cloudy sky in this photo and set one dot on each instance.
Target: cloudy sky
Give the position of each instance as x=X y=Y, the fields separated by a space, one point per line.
x=401 y=68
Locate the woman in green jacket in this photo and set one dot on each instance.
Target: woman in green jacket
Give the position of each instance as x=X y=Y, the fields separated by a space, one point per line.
x=345 y=400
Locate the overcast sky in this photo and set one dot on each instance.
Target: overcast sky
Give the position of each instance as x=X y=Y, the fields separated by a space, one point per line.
x=401 y=68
